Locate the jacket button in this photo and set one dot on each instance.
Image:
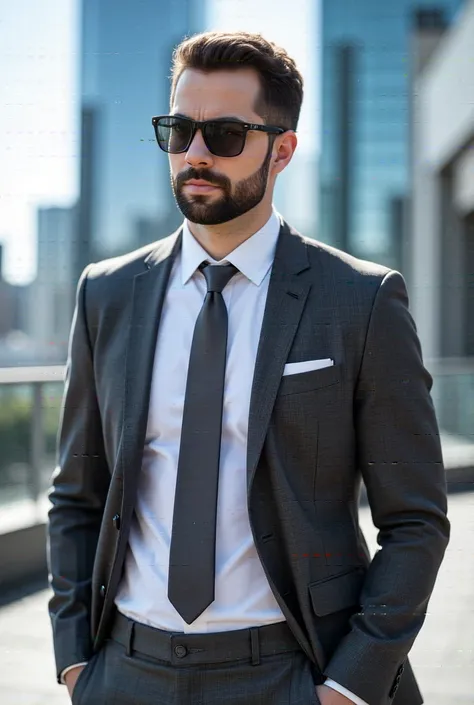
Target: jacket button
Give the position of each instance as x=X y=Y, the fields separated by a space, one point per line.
x=116 y=521
x=102 y=590
x=393 y=689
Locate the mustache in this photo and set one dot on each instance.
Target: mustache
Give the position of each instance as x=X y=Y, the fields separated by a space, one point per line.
x=192 y=173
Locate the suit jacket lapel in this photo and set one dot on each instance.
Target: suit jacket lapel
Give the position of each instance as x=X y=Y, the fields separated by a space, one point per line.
x=285 y=303
x=149 y=288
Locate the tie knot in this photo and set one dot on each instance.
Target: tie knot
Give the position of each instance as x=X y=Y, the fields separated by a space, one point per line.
x=217 y=275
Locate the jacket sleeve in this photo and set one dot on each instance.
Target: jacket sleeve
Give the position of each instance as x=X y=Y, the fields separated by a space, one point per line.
x=77 y=498
x=400 y=458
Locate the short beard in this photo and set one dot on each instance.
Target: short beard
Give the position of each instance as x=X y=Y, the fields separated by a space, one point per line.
x=248 y=193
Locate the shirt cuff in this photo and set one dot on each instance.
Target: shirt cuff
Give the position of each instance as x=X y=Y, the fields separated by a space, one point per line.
x=65 y=670
x=340 y=689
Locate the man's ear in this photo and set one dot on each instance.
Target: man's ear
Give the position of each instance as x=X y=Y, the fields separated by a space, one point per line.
x=284 y=149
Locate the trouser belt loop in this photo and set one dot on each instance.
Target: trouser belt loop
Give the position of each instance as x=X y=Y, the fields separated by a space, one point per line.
x=129 y=648
x=254 y=641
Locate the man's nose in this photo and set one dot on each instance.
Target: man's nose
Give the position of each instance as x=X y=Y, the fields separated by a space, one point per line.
x=197 y=152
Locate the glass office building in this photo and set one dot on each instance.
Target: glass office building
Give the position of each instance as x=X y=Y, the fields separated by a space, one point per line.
x=364 y=165
x=125 y=194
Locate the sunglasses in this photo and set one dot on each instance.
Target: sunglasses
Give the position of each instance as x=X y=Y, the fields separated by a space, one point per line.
x=223 y=138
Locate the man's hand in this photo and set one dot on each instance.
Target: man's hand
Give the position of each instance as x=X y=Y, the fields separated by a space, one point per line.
x=329 y=696
x=71 y=677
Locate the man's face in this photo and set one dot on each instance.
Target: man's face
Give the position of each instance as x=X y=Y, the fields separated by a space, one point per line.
x=241 y=182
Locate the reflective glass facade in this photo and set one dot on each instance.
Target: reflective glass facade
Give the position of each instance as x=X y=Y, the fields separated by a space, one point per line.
x=125 y=194
x=364 y=165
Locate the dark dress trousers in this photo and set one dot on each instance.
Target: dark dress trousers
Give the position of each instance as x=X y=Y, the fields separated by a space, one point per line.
x=312 y=438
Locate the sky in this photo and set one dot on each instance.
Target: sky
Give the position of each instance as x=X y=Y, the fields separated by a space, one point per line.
x=39 y=130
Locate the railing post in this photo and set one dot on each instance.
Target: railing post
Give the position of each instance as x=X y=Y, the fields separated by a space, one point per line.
x=37 y=442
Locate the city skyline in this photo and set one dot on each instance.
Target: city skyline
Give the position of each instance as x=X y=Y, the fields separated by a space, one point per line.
x=40 y=121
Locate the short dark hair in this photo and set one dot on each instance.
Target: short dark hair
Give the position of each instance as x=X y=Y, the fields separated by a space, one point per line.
x=281 y=94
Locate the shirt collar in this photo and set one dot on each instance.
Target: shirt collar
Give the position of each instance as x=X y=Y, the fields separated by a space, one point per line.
x=253 y=257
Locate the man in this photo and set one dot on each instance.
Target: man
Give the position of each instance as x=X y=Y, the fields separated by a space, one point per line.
x=228 y=388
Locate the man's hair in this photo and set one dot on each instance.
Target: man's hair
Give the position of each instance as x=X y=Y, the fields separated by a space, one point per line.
x=281 y=92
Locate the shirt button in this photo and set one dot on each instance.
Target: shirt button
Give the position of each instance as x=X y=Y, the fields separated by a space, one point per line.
x=180 y=651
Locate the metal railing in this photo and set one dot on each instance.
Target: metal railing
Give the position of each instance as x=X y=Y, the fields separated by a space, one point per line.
x=30 y=403
x=453 y=394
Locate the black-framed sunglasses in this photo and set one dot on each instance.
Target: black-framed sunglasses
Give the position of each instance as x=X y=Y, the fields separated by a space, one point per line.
x=223 y=138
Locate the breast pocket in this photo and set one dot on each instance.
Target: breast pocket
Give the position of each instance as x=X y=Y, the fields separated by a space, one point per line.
x=308 y=381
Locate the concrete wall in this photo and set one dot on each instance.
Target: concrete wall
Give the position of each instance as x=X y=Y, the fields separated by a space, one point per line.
x=22 y=556
x=447 y=93
x=442 y=130
x=464 y=180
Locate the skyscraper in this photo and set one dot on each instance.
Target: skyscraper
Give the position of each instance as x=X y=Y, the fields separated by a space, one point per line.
x=51 y=293
x=364 y=166
x=126 y=52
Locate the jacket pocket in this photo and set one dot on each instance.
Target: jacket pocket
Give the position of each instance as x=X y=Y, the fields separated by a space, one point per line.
x=337 y=592
x=307 y=381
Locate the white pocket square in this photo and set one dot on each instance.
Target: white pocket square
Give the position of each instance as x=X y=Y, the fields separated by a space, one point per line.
x=292 y=368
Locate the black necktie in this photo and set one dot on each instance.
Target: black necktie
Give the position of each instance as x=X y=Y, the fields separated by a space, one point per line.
x=193 y=538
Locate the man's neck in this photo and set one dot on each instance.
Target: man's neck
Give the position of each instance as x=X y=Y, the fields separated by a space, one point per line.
x=221 y=240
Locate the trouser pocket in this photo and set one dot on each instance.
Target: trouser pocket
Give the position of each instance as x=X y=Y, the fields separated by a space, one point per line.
x=83 y=679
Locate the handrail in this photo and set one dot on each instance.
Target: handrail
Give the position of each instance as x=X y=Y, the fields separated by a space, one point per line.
x=451 y=366
x=32 y=375
x=57 y=373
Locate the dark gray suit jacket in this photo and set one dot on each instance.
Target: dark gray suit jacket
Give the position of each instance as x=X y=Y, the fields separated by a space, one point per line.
x=312 y=437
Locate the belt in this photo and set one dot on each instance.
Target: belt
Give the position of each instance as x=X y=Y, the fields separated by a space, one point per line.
x=182 y=649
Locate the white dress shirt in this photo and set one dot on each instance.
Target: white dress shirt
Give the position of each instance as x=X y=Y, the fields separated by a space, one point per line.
x=142 y=592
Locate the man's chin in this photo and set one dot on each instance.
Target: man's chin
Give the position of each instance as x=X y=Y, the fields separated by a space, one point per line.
x=202 y=214
x=209 y=220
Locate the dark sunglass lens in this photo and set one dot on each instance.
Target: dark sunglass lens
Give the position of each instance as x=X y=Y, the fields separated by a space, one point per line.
x=173 y=134
x=225 y=139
